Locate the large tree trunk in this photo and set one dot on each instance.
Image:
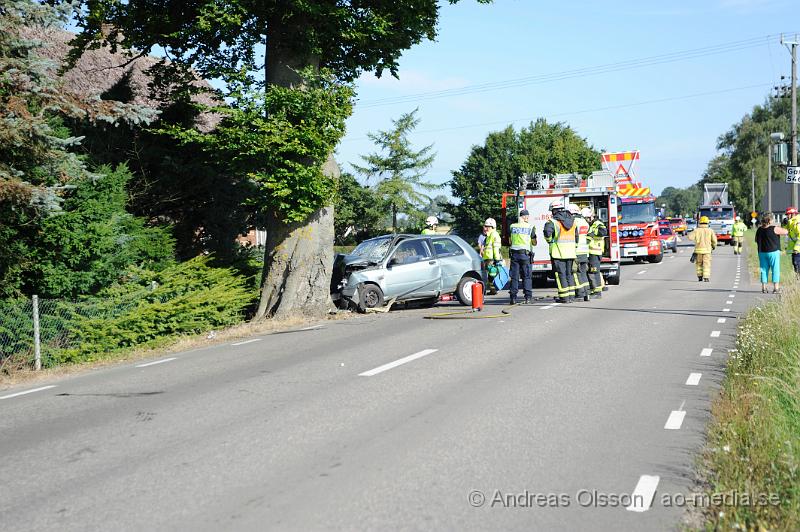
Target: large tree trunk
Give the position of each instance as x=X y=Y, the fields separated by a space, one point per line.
x=298 y=259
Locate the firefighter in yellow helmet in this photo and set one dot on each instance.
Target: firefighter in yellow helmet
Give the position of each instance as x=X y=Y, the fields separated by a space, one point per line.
x=737 y=233
x=581 y=253
x=705 y=241
x=560 y=233
x=492 y=258
x=597 y=245
x=430 y=225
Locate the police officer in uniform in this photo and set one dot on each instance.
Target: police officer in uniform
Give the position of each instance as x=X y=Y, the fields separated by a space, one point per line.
x=523 y=239
x=581 y=254
x=559 y=232
x=597 y=244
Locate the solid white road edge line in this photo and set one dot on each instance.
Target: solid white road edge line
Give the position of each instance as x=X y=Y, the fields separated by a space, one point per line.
x=157 y=362
x=643 y=493
x=248 y=341
x=721 y=320
x=547 y=307
x=313 y=327
x=398 y=362
x=706 y=352
x=26 y=392
x=694 y=379
x=675 y=420
x=715 y=334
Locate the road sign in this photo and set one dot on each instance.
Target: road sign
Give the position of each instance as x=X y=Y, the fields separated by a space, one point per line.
x=793 y=174
x=754 y=214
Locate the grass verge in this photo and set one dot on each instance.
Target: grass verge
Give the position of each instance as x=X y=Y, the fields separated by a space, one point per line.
x=750 y=468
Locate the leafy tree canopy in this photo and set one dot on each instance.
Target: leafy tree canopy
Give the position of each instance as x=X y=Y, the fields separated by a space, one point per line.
x=494 y=168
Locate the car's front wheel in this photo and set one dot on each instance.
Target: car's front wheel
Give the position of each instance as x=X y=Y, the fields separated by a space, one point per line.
x=371 y=297
x=464 y=290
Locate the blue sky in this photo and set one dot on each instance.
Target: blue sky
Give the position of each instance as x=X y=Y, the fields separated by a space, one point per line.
x=671 y=110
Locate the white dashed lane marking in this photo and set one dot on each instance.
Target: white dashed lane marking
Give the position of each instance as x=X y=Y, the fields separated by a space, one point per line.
x=715 y=334
x=248 y=341
x=694 y=379
x=157 y=362
x=643 y=493
x=721 y=320
x=26 y=392
x=398 y=362
x=706 y=352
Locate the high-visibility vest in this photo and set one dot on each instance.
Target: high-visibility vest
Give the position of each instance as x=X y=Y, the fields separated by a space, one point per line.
x=562 y=245
x=582 y=230
x=738 y=229
x=428 y=231
x=793 y=243
x=521 y=236
x=491 y=246
x=597 y=242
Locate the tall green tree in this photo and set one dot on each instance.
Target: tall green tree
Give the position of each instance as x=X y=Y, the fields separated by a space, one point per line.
x=398 y=169
x=495 y=168
x=681 y=201
x=222 y=40
x=359 y=214
x=39 y=165
x=744 y=149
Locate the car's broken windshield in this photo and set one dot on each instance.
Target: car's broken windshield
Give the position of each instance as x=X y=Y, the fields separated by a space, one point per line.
x=373 y=250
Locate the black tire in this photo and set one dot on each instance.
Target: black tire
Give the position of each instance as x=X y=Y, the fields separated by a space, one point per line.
x=675 y=247
x=614 y=281
x=655 y=259
x=638 y=260
x=464 y=290
x=371 y=297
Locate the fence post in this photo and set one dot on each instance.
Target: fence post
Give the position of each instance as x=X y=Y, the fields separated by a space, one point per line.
x=37 y=347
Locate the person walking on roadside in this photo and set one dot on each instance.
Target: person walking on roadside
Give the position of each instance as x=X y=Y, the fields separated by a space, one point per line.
x=559 y=232
x=768 y=241
x=793 y=242
x=581 y=254
x=737 y=232
x=523 y=239
x=705 y=241
x=491 y=250
x=431 y=222
x=597 y=245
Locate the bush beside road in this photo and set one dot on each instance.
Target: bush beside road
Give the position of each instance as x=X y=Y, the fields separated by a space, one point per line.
x=754 y=439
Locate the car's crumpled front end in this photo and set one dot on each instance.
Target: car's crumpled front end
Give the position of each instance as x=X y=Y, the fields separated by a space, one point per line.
x=345 y=278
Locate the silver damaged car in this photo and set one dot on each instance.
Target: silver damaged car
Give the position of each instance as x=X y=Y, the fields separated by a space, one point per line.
x=405 y=268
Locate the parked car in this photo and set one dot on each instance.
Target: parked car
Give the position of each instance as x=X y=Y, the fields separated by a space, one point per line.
x=691 y=225
x=678 y=225
x=669 y=240
x=405 y=268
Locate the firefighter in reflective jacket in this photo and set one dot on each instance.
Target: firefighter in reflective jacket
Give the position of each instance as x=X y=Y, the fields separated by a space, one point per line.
x=581 y=254
x=737 y=232
x=597 y=245
x=523 y=238
x=492 y=258
x=793 y=241
x=559 y=232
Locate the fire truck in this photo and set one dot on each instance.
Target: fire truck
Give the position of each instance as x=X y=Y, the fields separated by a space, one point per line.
x=638 y=219
x=719 y=211
x=535 y=193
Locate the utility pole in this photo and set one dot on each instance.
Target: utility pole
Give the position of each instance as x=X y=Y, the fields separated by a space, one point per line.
x=753 y=188
x=793 y=141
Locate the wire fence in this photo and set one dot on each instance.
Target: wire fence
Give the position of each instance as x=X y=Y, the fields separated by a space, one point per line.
x=60 y=326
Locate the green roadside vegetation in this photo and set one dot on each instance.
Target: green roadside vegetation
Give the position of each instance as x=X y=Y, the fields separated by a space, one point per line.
x=750 y=468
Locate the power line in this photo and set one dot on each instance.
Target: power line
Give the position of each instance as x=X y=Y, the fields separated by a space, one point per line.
x=591 y=110
x=683 y=55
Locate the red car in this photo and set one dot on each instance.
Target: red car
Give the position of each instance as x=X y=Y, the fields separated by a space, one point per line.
x=669 y=240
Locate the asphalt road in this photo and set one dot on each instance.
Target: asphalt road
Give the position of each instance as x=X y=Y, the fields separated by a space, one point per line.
x=565 y=417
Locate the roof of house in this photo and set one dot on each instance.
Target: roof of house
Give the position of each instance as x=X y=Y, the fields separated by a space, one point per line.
x=100 y=70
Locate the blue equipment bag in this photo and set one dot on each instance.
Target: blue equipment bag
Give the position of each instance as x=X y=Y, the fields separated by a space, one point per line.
x=501 y=279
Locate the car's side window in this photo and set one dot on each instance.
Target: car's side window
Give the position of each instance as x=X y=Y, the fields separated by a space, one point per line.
x=411 y=251
x=445 y=247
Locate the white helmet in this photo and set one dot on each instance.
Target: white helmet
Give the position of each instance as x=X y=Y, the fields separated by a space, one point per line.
x=490 y=222
x=573 y=209
x=586 y=212
x=738 y=218
x=557 y=204
x=430 y=221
